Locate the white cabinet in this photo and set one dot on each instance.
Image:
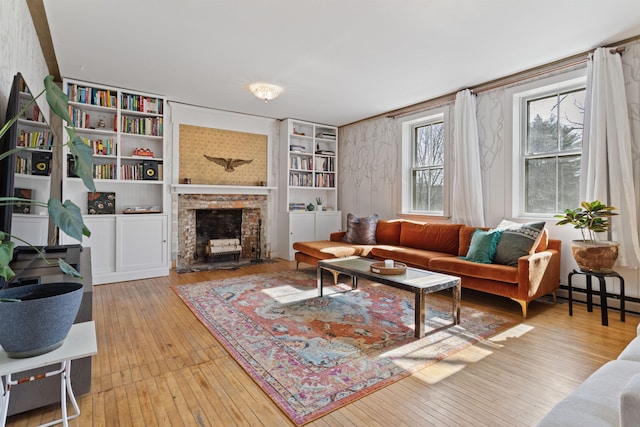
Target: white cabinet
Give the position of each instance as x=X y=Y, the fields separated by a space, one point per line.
x=305 y=227
x=126 y=247
x=125 y=130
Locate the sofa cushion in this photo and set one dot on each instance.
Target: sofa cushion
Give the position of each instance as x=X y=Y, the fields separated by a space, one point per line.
x=361 y=231
x=325 y=249
x=432 y=237
x=483 y=244
x=415 y=257
x=460 y=267
x=388 y=232
x=596 y=402
x=630 y=402
x=517 y=240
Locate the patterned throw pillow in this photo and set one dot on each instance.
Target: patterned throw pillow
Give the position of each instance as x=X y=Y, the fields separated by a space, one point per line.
x=361 y=231
x=517 y=240
x=483 y=246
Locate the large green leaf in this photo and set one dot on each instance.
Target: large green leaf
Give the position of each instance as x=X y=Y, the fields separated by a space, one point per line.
x=67 y=269
x=68 y=218
x=6 y=255
x=83 y=160
x=57 y=99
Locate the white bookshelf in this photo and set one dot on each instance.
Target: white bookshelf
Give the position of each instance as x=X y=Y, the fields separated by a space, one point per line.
x=126 y=132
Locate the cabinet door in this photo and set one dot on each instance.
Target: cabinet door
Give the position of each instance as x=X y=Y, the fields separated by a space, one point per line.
x=102 y=243
x=30 y=228
x=142 y=242
x=301 y=229
x=327 y=223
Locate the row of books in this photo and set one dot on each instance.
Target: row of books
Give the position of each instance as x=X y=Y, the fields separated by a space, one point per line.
x=325 y=180
x=92 y=96
x=297 y=207
x=151 y=126
x=300 y=179
x=135 y=172
x=301 y=162
x=40 y=140
x=107 y=171
x=141 y=103
x=82 y=119
x=325 y=164
x=326 y=135
x=32 y=114
x=104 y=147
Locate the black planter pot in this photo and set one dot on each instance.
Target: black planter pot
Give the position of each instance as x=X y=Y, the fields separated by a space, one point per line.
x=41 y=320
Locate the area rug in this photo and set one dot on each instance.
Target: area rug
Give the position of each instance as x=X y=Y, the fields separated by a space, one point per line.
x=313 y=354
x=221 y=265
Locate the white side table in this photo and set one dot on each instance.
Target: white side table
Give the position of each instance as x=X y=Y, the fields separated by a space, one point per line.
x=80 y=342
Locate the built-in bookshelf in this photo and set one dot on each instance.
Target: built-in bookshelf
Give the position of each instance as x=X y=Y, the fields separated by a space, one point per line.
x=309 y=172
x=125 y=130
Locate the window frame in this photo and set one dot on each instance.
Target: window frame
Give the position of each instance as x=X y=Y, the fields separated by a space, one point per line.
x=521 y=95
x=408 y=125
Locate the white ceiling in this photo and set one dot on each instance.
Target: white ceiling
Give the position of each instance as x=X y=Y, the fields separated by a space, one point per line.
x=339 y=61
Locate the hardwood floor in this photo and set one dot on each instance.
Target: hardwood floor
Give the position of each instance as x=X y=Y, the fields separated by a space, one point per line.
x=157 y=365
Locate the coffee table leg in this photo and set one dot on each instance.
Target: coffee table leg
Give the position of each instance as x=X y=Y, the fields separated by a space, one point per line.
x=420 y=314
x=319 y=280
x=456 y=292
x=354 y=282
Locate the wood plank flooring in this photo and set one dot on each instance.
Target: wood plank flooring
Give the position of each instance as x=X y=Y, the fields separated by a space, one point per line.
x=157 y=365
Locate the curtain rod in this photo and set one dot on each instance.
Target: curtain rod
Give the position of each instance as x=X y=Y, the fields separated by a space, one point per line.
x=562 y=64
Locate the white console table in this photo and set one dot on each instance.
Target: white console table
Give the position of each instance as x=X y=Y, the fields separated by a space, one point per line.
x=80 y=342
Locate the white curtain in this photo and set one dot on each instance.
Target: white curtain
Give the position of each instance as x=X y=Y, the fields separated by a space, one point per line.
x=607 y=171
x=466 y=197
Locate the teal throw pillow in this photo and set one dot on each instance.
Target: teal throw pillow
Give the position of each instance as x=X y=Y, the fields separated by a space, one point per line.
x=483 y=246
x=517 y=240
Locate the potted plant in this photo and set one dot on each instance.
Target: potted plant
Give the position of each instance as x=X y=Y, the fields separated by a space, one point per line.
x=590 y=218
x=47 y=309
x=319 y=203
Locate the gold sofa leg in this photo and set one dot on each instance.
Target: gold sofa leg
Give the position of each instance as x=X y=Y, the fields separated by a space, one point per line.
x=524 y=305
x=335 y=276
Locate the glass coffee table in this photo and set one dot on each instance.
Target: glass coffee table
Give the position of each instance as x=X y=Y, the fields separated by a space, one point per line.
x=420 y=282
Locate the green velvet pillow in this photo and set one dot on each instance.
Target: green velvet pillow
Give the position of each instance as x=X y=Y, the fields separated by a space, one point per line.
x=517 y=240
x=483 y=246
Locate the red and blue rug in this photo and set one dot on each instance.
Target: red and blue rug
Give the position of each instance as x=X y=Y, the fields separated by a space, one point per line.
x=313 y=354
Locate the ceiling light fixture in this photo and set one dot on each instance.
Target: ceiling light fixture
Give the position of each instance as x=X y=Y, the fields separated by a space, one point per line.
x=265 y=91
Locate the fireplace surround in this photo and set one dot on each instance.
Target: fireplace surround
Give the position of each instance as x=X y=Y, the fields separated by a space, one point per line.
x=252 y=206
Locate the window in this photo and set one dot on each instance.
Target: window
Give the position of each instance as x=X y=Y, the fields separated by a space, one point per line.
x=427 y=172
x=551 y=147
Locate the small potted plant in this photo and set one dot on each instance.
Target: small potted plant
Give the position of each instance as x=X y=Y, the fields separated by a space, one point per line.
x=319 y=203
x=590 y=218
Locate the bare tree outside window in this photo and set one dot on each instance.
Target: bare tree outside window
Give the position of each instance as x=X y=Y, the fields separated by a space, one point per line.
x=428 y=167
x=552 y=151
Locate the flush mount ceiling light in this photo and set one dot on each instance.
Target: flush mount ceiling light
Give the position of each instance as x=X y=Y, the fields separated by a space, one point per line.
x=265 y=91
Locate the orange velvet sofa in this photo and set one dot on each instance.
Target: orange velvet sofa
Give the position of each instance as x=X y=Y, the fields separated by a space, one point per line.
x=439 y=247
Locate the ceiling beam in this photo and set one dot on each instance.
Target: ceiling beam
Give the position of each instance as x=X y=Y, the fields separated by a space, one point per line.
x=41 y=24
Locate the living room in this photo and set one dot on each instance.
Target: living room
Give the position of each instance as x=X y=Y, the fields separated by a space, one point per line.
x=372 y=156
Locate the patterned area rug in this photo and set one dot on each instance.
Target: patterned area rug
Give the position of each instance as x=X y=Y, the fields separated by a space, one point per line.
x=312 y=355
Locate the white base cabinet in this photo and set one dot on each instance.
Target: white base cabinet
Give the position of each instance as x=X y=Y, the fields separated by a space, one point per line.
x=126 y=247
x=305 y=227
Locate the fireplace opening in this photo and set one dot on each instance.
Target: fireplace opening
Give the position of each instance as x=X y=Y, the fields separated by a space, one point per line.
x=216 y=224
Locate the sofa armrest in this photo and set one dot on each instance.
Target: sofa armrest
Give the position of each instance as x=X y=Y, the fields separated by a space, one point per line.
x=630 y=402
x=538 y=274
x=337 y=236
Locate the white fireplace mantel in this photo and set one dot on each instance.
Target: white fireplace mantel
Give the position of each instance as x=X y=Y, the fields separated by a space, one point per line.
x=220 y=189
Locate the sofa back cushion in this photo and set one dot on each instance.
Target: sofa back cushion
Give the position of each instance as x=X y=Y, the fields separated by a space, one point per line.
x=429 y=236
x=388 y=232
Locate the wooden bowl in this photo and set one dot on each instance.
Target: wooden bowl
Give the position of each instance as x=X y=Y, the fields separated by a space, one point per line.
x=379 y=268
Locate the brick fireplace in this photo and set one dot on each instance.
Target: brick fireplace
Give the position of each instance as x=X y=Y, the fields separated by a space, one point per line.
x=251 y=207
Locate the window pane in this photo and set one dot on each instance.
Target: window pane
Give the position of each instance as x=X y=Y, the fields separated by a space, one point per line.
x=568 y=182
x=542 y=131
x=429 y=145
x=571 y=118
x=540 y=178
x=428 y=190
